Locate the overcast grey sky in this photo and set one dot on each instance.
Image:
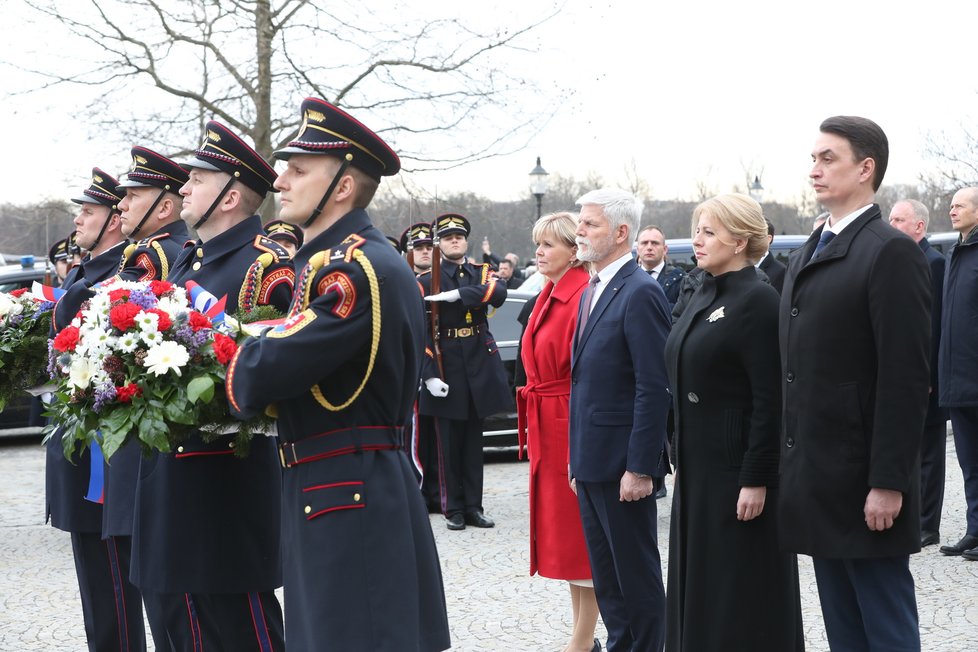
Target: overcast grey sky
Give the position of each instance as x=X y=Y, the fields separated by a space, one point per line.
x=690 y=91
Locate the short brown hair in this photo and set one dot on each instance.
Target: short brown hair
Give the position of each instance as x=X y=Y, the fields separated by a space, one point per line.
x=866 y=139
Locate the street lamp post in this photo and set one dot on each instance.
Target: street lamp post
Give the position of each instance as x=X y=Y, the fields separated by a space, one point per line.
x=756 y=190
x=538 y=185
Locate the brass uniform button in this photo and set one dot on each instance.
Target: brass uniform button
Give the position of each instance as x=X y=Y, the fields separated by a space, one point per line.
x=196 y=265
x=179 y=449
x=200 y=253
x=308 y=509
x=356 y=498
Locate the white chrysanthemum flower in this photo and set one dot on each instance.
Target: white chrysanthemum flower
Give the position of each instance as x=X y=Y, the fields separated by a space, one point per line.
x=128 y=342
x=151 y=338
x=80 y=372
x=6 y=304
x=171 y=307
x=148 y=322
x=165 y=357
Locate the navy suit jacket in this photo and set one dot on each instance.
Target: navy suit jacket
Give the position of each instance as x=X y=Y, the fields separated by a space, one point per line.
x=619 y=392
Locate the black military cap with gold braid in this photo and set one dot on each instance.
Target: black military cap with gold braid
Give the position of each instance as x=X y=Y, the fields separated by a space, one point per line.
x=223 y=151
x=329 y=130
x=415 y=235
x=150 y=169
x=450 y=223
x=277 y=229
x=102 y=191
x=59 y=251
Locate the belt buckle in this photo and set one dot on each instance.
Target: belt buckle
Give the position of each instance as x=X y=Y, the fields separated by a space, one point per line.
x=465 y=332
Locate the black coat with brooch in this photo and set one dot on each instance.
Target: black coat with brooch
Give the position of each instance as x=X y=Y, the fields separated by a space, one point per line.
x=724 y=370
x=855 y=348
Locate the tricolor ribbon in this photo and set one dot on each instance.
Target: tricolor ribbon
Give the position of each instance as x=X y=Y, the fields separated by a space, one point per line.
x=205 y=302
x=46 y=292
x=96 y=478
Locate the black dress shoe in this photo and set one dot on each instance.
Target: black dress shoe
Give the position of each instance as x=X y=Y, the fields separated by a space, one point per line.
x=967 y=542
x=455 y=522
x=597 y=646
x=970 y=555
x=478 y=519
x=929 y=538
x=661 y=493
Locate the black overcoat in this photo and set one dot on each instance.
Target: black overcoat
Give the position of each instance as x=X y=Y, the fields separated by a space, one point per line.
x=855 y=348
x=724 y=369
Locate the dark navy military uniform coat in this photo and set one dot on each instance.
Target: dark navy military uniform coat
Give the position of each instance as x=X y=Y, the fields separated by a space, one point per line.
x=207 y=521
x=361 y=569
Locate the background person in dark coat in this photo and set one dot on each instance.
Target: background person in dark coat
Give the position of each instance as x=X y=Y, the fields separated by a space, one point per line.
x=769 y=264
x=959 y=358
x=618 y=405
x=652 y=250
x=912 y=217
x=855 y=340
x=725 y=374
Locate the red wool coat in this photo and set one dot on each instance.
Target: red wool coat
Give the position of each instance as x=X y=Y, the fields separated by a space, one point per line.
x=557 y=548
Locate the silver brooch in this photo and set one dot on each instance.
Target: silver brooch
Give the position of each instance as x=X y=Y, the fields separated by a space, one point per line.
x=715 y=315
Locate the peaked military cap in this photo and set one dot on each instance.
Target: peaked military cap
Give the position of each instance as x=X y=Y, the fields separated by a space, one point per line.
x=150 y=169
x=59 y=251
x=394 y=243
x=331 y=131
x=450 y=223
x=278 y=229
x=416 y=234
x=102 y=191
x=223 y=151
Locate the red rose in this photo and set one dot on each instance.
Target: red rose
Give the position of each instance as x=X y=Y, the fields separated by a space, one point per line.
x=224 y=348
x=126 y=393
x=123 y=316
x=164 y=319
x=118 y=295
x=159 y=288
x=67 y=339
x=198 y=321
x=18 y=292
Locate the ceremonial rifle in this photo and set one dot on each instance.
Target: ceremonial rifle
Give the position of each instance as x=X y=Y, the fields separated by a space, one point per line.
x=435 y=307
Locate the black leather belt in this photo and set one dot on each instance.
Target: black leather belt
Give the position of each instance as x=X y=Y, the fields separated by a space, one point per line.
x=467 y=331
x=339 y=442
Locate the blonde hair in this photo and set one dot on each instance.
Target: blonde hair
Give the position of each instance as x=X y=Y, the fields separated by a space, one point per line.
x=741 y=216
x=561 y=226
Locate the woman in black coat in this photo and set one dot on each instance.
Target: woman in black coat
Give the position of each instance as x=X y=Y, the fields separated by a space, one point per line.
x=729 y=587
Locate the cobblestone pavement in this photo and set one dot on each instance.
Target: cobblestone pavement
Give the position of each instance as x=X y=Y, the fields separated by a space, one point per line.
x=493 y=604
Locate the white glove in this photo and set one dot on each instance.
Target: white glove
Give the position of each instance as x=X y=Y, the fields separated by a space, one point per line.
x=447 y=296
x=436 y=386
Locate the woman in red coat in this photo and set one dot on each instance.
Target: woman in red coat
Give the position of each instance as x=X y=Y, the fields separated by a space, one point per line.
x=557 y=548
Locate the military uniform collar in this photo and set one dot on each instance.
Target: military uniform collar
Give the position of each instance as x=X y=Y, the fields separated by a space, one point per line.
x=229 y=241
x=174 y=229
x=353 y=222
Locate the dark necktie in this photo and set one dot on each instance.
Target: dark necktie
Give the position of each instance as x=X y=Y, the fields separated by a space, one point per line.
x=823 y=240
x=587 y=301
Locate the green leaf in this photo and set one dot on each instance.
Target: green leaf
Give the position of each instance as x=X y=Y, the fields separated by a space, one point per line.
x=201 y=389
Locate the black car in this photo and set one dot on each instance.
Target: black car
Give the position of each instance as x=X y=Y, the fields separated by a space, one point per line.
x=16 y=416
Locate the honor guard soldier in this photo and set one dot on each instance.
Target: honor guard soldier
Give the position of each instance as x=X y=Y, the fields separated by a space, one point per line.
x=464 y=378
x=362 y=571
x=60 y=258
x=416 y=243
x=288 y=235
x=206 y=524
x=110 y=604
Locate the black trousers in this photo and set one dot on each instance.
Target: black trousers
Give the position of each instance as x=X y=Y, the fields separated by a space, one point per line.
x=428 y=455
x=460 y=465
x=933 y=453
x=220 y=622
x=111 y=606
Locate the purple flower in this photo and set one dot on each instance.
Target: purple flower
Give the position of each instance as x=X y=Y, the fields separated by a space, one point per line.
x=144 y=298
x=104 y=393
